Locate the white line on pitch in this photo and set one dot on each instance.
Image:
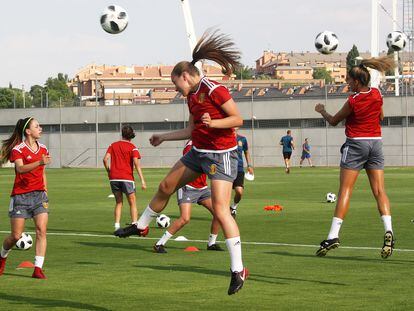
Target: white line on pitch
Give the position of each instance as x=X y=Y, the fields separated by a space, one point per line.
x=205 y=241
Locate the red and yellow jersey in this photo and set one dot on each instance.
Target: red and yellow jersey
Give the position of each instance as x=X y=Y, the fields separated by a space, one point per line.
x=33 y=180
x=209 y=97
x=122 y=164
x=364 y=120
x=201 y=181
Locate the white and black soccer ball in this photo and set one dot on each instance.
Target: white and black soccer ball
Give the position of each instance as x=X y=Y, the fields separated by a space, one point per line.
x=326 y=42
x=114 y=19
x=25 y=242
x=397 y=41
x=330 y=197
x=163 y=221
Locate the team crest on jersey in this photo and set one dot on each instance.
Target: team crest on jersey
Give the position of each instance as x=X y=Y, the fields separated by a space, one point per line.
x=213 y=169
x=201 y=98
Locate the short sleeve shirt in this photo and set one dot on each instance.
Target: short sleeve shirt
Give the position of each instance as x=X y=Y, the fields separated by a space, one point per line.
x=122 y=160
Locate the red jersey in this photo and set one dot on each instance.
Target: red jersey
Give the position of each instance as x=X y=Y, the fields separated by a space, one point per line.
x=209 y=97
x=201 y=181
x=33 y=180
x=364 y=120
x=122 y=164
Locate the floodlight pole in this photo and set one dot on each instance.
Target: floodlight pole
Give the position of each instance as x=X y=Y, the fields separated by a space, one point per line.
x=375 y=75
x=189 y=26
x=394 y=28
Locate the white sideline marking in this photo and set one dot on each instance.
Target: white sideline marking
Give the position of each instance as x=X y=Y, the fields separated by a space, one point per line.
x=205 y=241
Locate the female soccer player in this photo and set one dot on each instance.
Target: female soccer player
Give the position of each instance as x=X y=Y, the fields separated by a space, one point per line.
x=238 y=184
x=119 y=160
x=213 y=115
x=195 y=192
x=362 y=149
x=29 y=194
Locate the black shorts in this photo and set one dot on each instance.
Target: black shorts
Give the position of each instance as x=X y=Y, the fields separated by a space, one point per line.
x=286 y=155
x=239 y=181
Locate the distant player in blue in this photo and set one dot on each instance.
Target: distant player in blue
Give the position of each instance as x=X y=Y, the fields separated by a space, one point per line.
x=288 y=147
x=238 y=184
x=306 y=154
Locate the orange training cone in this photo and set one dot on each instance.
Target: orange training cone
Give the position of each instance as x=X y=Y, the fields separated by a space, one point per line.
x=25 y=264
x=191 y=249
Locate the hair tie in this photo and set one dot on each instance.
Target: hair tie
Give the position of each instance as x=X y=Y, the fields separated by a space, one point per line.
x=193 y=62
x=24 y=127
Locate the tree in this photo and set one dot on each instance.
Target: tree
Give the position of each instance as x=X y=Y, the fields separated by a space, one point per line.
x=244 y=73
x=38 y=95
x=10 y=98
x=57 y=88
x=322 y=73
x=351 y=58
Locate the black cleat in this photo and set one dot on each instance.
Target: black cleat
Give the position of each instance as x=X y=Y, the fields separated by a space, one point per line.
x=214 y=247
x=237 y=281
x=326 y=246
x=131 y=230
x=388 y=246
x=160 y=249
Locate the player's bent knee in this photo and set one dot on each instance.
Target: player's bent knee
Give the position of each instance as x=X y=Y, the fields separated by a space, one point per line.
x=165 y=188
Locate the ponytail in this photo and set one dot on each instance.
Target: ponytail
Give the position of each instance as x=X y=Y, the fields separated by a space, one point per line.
x=15 y=139
x=212 y=46
x=361 y=72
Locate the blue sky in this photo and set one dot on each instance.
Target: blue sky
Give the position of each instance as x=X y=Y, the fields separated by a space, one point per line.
x=38 y=39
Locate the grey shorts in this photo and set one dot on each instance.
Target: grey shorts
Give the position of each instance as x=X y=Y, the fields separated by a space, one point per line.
x=123 y=186
x=364 y=153
x=28 y=205
x=221 y=166
x=192 y=195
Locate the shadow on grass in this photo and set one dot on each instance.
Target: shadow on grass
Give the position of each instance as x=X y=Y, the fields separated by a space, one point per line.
x=347 y=258
x=252 y=277
x=49 y=303
x=119 y=245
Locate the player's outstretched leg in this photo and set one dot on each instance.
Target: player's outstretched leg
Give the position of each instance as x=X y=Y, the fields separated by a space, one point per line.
x=388 y=246
x=327 y=245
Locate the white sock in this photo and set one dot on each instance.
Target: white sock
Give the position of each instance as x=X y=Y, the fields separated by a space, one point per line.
x=165 y=237
x=234 y=205
x=386 y=219
x=212 y=239
x=39 y=260
x=146 y=218
x=234 y=248
x=117 y=225
x=4 y=252
x=335 y=227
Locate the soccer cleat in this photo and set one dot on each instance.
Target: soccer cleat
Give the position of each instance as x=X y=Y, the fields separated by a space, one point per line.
x=2 y=264
x=237 y=281
x=160 y=249
x=327 y=245
x=38 y=273
x=233 y=212
x=131 y=230
x=388 y=246
x=214 y=247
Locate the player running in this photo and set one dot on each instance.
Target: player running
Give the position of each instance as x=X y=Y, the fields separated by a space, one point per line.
x=213 y=115
x=119 y=161
x=29 y=195
x=288 y=146
x=362 y=149
x=195 y=192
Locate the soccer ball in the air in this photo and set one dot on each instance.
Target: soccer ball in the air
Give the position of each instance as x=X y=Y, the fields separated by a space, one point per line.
x=25 y=242
x=326 y=42
x=114 y=19
x=163 y=221
x=397 y=41
x=330 y=197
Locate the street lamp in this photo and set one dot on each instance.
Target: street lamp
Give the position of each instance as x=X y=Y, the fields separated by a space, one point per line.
x=97 y=73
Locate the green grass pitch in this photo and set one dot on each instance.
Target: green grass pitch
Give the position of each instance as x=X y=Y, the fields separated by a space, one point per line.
x=89 y=269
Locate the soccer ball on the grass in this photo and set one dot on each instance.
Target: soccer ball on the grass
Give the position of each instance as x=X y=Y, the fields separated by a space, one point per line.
x=163 y=221
x=114 y=19
x=330 y=197
x=25 y=242
x=326 y=42
x=397 y=41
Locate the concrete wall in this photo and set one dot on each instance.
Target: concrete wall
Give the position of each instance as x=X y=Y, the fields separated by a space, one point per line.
x=79 y=148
